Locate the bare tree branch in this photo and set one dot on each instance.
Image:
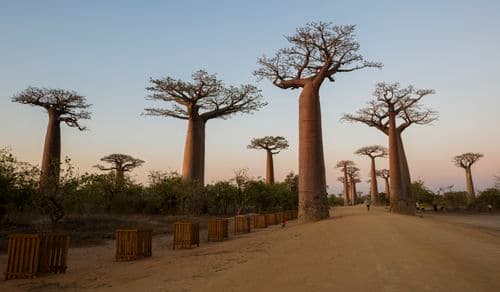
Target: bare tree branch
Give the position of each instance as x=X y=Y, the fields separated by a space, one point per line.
x=318 y=50
x=67 y=106
x=270 y=143
x=205 y=97
x=466 y=160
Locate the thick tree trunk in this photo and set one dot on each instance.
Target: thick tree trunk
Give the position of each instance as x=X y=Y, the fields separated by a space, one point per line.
x=51 y=159
x=387 y=191
x=354 y=193
x=313 y=204
x=398 y=204
x=373 y=183
x=193 y=167
x=120 y=179
x=269 y=168
x=471 y=195
x=346 y=188
x=405 y=177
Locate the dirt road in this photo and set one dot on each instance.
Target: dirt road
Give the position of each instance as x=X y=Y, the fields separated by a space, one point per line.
x=353 y=251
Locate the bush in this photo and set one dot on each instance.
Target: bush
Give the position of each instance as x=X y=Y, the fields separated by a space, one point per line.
x=335 y=200
x=420 y=193
x=486 y=197
x=455 y=200
x=383 y=199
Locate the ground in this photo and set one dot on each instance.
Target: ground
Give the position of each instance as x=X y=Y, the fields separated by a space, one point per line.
x=355 y=250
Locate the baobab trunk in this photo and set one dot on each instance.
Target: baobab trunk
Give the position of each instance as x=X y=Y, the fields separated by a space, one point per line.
x=312 y=184
x=373 y=183
x=398 y=204
x=269 y=168
x=387 y=191
x=51 y=158
x=405 y=176
x=193 y=167
x=346 y=188
x=471 y=195
x=120 y=179
x=354 y=193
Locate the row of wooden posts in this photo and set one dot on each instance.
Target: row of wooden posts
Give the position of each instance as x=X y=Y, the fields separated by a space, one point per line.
x=32 y=254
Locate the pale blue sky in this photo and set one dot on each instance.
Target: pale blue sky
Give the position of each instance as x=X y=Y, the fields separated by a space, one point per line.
x=107 y=50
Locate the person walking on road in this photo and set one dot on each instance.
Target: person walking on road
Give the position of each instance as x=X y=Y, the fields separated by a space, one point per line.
x=367 y=203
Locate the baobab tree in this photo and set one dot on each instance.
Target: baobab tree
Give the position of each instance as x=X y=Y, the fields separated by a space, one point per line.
x=62 y=106
x=343 y=165
x=347 y=189
x=373 y=152
x=317 y=53
x=203 y=99
x=393 y=111
x=273 y=145
x=466 y=161
x=119 y=164
x=353 y=175
x=385 y=174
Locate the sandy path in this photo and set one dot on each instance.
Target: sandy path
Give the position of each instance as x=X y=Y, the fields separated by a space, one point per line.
x=354 y=251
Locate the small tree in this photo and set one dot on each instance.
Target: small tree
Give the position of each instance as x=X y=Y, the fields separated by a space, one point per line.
x=385 y=174
x=353 y=175
x=343 y=165
x=373 y=152
x=466 y=161
x=317 y=53
x=273 y=145
x=120 y=163
x=394 y=110
x=241 y=179
x=197 y=102
x=62 y=106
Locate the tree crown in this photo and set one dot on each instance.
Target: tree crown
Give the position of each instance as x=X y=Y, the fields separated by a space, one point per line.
x=270 y=143
x=373 y=151
x=466 y=160
x=120 y=162
x=383 y=173
x=206 y=97
x=68 y=106
x=318 y=50
x=344 y=164
x=404 y=103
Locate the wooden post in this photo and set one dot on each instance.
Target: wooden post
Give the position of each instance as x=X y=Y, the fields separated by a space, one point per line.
x=22 y=256
x=218 y=229
x=186 y=234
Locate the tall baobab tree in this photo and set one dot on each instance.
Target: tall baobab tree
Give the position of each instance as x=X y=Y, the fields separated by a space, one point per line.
x=318 y=51
x=466 y=161
x=62 y=106
x=373 y=152
x=347 y=189
x=343 y=165
x=353 y=175
x=393 y=111
x=273 y=145
x=205 y=98
x=385 y=174
x=119 y=163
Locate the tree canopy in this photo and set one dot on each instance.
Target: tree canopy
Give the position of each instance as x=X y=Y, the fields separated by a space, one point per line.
x=270 y=143
x=318 y=50
x=120 y=162
x=205 y=96
x=373 y=151
x=466 y=160
x=69 y=106
x=391 y=98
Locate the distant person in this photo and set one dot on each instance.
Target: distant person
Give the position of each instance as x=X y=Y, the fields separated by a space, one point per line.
x=367 y=203
x=490 y=208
